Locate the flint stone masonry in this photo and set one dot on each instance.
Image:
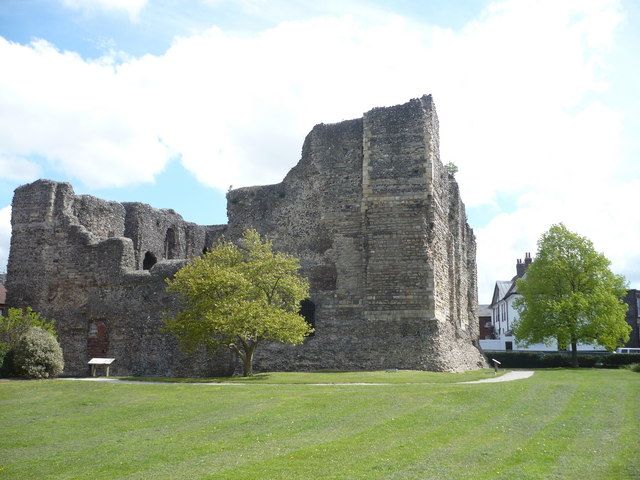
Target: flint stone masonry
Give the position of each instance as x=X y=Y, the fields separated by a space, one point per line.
x=369 y=209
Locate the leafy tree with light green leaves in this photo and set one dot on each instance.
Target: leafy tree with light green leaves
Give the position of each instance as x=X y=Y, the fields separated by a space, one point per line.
x=13 y=327
x=569 y=294
x=239 y=296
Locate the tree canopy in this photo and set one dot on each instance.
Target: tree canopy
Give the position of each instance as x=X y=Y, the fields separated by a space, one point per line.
x=13 y=327
x=570 y=294
x=239 y=296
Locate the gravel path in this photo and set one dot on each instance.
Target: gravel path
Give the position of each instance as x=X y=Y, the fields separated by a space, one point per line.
x=507 y=377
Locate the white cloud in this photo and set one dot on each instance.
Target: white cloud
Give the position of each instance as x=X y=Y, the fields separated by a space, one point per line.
x=598 y=210
x=81 y=116
x=5 y=236
x=18 y=169
x=517 y=92
x=130 y=7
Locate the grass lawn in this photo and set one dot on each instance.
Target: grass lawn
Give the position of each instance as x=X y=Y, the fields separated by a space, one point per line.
x=559 y=424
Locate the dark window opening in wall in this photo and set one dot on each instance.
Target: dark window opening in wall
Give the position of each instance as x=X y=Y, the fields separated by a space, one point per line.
x=170 y=244
x=205 y=250
x=149 y=261
x=308 y=312
x=508 y=345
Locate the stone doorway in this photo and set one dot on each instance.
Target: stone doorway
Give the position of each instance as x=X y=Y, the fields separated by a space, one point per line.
x=97 y=339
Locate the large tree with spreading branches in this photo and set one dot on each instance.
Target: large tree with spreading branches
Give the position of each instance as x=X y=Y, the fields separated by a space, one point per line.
x=239 y=295
x=569 y=294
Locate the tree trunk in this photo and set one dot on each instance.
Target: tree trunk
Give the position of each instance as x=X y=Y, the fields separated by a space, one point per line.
x=247 y=366
x=247 y=358
x=245 y=352
x=574 y=353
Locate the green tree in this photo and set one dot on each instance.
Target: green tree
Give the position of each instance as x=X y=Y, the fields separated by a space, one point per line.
x=569 y=294
x=13 y=327
x=239 y=296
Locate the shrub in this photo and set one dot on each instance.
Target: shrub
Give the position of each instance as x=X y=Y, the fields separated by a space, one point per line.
x=18 y=321
x=37 y=355
x=619 y=359
x=12 y=328
x=5 y=359
x=560 y=359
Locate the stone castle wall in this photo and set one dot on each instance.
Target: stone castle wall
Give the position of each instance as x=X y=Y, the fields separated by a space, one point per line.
x=70 y=260
x=377 y=222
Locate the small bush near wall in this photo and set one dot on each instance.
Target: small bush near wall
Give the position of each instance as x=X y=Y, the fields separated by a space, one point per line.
x=13 y=327
x=38 y=355
x=5 y=360
x=560 y=359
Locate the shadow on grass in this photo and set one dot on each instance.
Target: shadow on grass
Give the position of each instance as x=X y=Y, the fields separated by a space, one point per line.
x=258 y=377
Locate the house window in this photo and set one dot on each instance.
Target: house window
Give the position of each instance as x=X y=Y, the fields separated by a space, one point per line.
x=508 y=345
x=638 y=306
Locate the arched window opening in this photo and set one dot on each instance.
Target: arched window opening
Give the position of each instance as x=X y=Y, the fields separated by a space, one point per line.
x=170 y=244
x=308 y=312
x=149 y=261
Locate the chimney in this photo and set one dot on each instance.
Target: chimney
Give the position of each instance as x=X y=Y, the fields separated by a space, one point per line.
x=520 y=268
x=527 y=260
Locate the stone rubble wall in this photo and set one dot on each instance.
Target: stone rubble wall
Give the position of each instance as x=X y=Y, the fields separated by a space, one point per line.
x=376 y=221
x=315 y=214
x=397 y=288
x=64 y=263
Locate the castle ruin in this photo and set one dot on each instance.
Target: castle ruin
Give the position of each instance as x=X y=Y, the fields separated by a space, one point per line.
x=375 y=218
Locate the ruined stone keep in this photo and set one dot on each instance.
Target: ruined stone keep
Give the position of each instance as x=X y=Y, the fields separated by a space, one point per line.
x=370 y=210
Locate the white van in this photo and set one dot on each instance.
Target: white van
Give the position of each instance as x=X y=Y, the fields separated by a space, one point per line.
x=627 y=350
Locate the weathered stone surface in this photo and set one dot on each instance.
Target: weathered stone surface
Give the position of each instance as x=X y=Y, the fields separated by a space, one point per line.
x=70 y=260
x=377 y=222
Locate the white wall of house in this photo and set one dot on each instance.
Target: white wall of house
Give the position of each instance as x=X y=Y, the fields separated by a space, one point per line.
x=503 y=316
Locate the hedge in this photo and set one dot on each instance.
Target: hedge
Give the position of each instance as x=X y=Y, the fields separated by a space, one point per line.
x=561 y=359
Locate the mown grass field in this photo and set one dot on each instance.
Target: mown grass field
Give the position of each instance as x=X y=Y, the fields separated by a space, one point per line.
x=559 y=424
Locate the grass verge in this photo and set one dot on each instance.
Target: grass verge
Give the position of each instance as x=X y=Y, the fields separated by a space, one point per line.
x=559 y=424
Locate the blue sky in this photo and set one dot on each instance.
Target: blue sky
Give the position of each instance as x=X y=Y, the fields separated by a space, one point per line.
x=171 y=102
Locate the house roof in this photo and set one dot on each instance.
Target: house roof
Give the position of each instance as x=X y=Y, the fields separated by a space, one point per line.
x=500 y=290
x=484 y=311
x=3 y=294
